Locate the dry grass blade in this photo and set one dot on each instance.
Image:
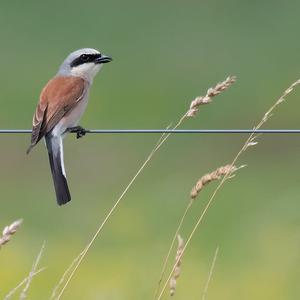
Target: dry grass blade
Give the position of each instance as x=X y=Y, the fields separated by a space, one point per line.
x=211 y=270
x=32 y=273
x=171 y=247
x=206 y=179
x=176 y=274
x=63 y=278
x=212 y=92
x=9 y=231
x=12 y=292
x=82 y=255
x=264 y=119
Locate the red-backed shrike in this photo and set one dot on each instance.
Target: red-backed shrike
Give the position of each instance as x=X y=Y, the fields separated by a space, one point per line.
x=62 y=103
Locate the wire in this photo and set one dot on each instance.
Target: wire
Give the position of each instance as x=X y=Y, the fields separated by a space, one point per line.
x=241 y=131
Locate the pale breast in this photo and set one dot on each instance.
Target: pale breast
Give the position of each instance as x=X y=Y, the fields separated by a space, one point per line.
x=72 y=118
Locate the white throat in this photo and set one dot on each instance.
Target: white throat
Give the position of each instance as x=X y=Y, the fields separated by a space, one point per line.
x=86 y=71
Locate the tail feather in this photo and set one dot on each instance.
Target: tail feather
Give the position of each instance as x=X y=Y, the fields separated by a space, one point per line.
x=55 y=152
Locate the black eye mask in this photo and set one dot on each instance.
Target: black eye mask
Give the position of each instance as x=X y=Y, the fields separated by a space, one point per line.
x=84 y=58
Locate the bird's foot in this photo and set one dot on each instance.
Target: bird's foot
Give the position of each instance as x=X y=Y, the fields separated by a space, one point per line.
x=80 y=131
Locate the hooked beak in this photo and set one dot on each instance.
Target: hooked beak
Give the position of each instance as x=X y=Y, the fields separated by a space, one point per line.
x=103 y=59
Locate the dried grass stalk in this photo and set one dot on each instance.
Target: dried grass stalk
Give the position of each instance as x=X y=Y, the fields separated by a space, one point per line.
x=211 y=92
x=176 y=274
x=215 y=175
x=32 y=273
x=249 y=142
x=211 y=270
x=13 y=291
x=9 y=231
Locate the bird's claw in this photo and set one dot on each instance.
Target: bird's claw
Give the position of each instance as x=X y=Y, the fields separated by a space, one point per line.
x=80 y=131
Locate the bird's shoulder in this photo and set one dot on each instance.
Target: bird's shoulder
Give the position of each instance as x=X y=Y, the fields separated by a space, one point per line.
x=61 y=89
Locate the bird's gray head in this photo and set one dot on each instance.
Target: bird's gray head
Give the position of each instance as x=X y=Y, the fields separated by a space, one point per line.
x=84 y=63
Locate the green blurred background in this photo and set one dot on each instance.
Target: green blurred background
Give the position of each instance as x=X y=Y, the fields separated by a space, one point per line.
x=165 y=53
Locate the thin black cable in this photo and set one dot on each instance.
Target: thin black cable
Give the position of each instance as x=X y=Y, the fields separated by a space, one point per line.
x=203 y=131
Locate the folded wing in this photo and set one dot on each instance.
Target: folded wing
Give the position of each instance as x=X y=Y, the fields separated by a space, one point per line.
x=58 y=98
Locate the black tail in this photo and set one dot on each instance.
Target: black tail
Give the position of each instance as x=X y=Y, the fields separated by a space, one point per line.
x=55 y=151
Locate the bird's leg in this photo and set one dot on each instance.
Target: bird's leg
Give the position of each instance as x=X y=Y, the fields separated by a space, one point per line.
x=80 y=131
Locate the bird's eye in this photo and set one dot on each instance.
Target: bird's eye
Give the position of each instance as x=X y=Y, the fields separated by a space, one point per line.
x=84 y=57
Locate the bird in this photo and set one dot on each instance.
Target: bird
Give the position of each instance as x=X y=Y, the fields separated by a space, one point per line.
x=61 y=104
